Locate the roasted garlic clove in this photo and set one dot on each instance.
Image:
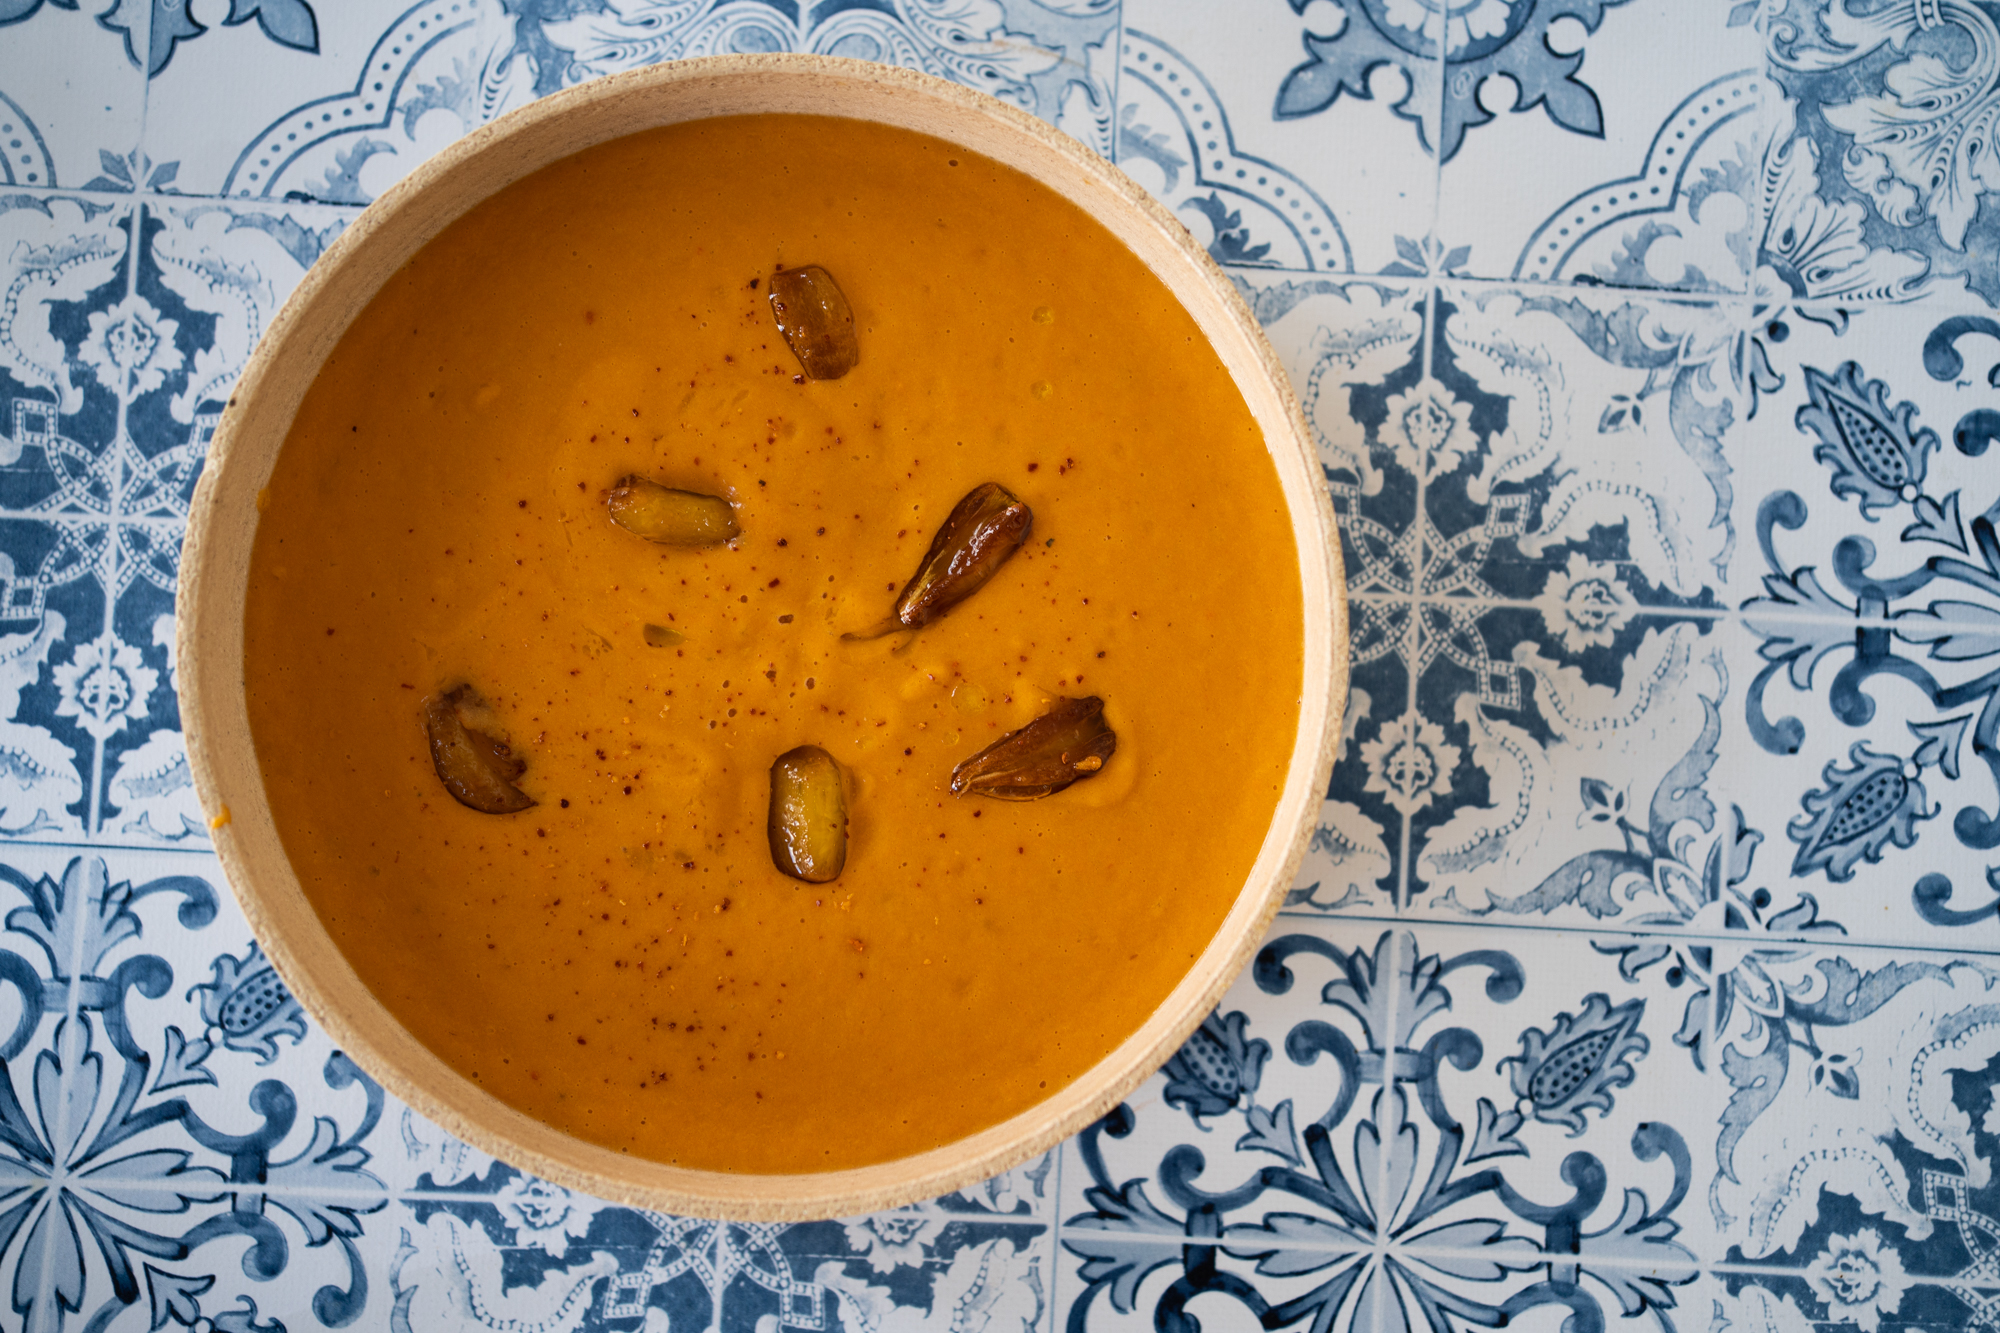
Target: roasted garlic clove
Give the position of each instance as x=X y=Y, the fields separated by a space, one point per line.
x=674 y=518
x=660 y=636
x=476 y=769
x=978 y=536
x=813 y=314
x=1068 y=743
x=808 y=822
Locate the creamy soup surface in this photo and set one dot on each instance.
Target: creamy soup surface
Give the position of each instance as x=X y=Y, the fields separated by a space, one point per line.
x=623 y=960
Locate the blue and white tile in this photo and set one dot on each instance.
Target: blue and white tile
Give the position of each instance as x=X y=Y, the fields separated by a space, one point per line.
x=210 y=279
x=1349 y=346
x=1615 y=143
x=1865 y=730
x=1858 y=1144
x=72 y=95
x=135 y=1156
x=336 y=102
x=1887 y=103
x=1853 y=1283
x=1320 y=163
x=1575 y=452
x=483 y=1244
x=945 y=1266
x=1561 y=782
x=1482 y=1121
x=329 y=102
x=77 y=341
x=517 y=1252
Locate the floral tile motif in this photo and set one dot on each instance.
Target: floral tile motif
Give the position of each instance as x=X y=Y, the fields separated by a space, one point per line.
x=72 y=95
x=1858 y=1143
x=131 y=1137
x=1375 y=1128
x=1532 y=597
x=1889 y=100
x=1613 y=143
x=1204 y=122
x=344 y=100
x=1867 y=722
x=112 y=378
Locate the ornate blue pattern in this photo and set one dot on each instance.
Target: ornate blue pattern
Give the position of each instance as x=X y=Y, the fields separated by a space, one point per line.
x=1640 y=972
x=1479 y=39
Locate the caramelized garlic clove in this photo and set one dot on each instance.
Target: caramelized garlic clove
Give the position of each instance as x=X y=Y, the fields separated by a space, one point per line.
x=1068 y=743
x=477 y=769
x=674 y=518
x=979 y=535
x=808 y=821
x=813 y=314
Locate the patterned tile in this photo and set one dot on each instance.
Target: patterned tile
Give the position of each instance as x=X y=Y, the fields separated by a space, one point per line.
x=1851 y=1284
x=142 y=1140
x=1485 y=1122
x=334 y=103
x=1350 y=347
x=1858 y=1143
x=72 y=96
x=1870 y=595
x=1576 y=786
x=1533 y=598
x=1681 y=551
x=1885 y=187
x=1616 y=143
x=75 y=338
x=1275 y=162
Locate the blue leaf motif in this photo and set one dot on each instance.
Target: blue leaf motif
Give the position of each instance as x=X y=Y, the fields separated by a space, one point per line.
x=1272 y=1132
x=1485 y=1252
x=1638 y=1258
x=172 y=1295
x=1289 y=1244
x=1124 y=1240
x=287 y=22
x=1493 y=1136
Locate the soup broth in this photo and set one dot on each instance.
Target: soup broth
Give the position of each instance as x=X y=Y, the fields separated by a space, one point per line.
x=622 y=959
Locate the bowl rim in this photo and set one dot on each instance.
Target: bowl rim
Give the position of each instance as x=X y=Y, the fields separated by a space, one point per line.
x=209 y=671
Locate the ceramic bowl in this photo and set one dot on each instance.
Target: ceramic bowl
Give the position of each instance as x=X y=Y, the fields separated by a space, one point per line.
x=216 y=563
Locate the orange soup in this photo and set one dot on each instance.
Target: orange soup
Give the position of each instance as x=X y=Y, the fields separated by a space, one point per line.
x=623 y=959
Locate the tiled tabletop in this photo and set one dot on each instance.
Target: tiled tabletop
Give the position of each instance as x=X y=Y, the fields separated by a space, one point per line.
x=1643 y=973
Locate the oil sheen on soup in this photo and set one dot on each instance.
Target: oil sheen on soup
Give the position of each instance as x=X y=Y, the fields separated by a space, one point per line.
x=623 y=959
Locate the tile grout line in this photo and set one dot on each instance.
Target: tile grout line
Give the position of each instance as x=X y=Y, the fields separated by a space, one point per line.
x=1117 y=80
x=1821 y=946
x=1061 y=1150
x=1436 y=238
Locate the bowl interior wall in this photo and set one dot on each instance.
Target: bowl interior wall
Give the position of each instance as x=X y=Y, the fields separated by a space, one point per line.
x=215 y=575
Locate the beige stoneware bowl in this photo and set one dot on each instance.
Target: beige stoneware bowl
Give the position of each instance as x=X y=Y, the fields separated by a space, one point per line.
x=215 y=571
